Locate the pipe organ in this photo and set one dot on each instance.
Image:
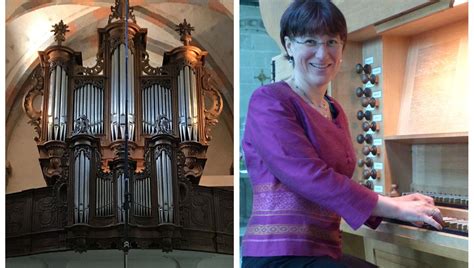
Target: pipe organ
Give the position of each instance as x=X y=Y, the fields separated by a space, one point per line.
x=87 y=110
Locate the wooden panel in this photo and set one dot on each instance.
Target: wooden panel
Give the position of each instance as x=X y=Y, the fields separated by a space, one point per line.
x=412 y=17
x=398 y=165
x=353 y=245
x=441 y=168
x=395 y=51
x=392 y=256
x=433 y=242
x=343 y=90
x=437 y=20
x=358 y=14
x=374 y=48
x=444 y=138
x=434 y=99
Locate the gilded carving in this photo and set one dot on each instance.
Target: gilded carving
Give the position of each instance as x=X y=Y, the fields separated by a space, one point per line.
x=80 y=81
x=148 y=82
x=119 y=12
x=35 y=91
x=211 y=113
x=60 y=29
x=150 y=70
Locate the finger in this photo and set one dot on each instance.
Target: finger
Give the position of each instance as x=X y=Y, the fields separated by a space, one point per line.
x=432 y=222
x=417 y=223
x=438 y=217
x=425 y=198
x=429 y=199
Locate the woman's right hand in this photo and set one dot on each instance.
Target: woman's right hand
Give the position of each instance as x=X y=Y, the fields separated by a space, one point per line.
x=417 y=209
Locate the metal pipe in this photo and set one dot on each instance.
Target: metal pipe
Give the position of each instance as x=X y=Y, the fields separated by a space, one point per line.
x=81 y=186
x=114 y=94
x=76 y=189
x=169 y=187
x=93 y=106
x=57 y=96
x=52 y=92
x=160 y=101
x=97 y=196
x=63 y=105
x=101 y=111
x=144 y=114
x=142 y=197
x=159 y=177
x=169 y=113
x=74 y=114
x=149 y=109
x=165 y=171
x=154 y=103
x=147 y=189
x=194 y=103
x=86 y=201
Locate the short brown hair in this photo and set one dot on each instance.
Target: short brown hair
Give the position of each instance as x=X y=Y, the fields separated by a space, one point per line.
x=309 y=17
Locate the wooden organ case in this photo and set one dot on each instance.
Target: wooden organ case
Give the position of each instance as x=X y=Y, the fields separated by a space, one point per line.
x=403 y=84
x=86 y=116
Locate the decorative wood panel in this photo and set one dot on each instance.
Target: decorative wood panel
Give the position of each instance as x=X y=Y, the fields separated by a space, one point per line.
x=435 y=81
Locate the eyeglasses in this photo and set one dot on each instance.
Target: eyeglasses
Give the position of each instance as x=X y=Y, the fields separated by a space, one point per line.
x=331 y=44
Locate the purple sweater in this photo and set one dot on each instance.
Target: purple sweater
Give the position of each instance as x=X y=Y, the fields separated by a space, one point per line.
x=300 y=165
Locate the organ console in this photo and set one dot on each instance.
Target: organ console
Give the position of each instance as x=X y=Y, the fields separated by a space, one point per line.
x=411 y=142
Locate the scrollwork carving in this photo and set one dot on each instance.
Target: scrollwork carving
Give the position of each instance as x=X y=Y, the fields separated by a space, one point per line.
x=82 y=149
x=118 y=12
x=148 y=82
x=163 y=125
x=148 y=69
x=195 y=159
x=54 y=164
x=200 y=207
x=211 y=113
x=61 y=63
x=80 y=81
x=35 y=91
x=162 y=147
x=45 y=210
x=82 y=125
x=116 y=42
x=94 y=70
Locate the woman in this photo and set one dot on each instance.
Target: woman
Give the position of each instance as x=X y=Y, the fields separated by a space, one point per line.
x=300 y=157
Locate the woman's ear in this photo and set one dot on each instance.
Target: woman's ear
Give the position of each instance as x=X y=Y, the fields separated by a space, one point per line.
x=288 y=46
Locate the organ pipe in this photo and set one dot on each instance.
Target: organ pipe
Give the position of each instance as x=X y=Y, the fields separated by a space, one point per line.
x=57 y=110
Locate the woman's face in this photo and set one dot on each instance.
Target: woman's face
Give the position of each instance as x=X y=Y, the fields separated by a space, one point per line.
x=317 y=58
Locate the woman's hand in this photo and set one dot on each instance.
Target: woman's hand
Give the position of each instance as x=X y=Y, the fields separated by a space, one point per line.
x=415 y=208
x=415 y=197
